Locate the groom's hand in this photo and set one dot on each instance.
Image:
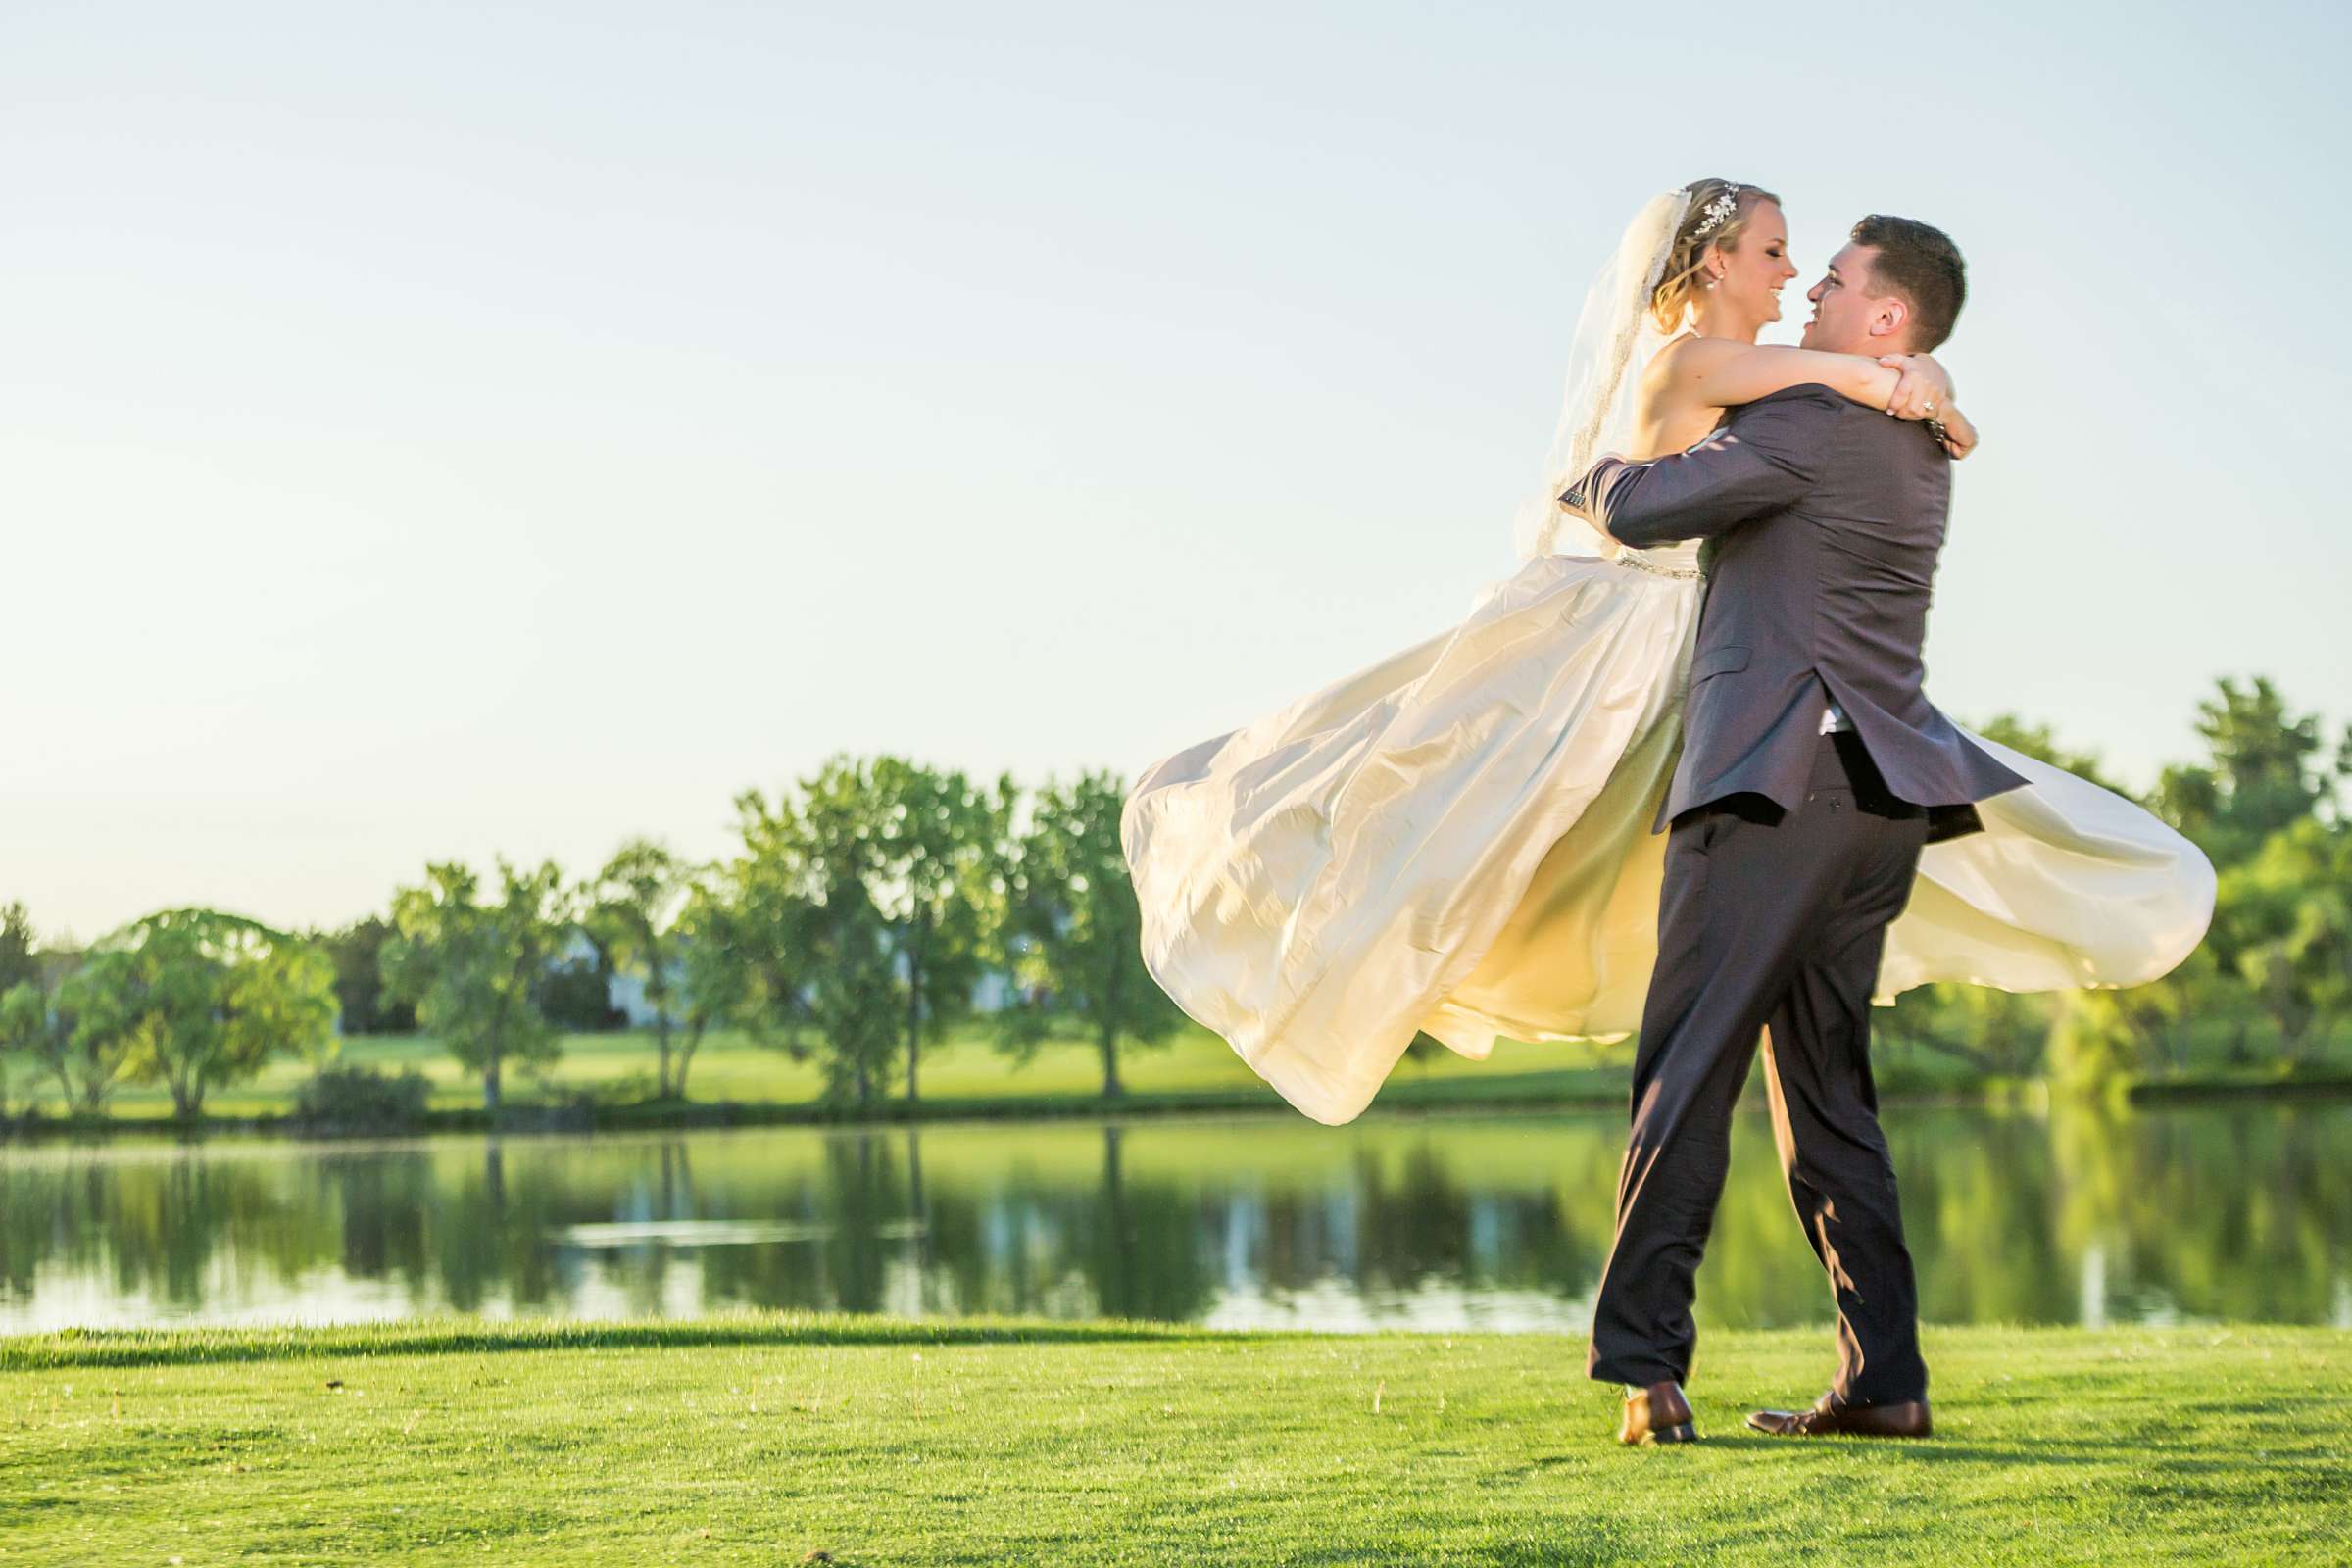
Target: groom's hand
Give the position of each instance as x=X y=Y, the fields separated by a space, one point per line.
x=1951 y=427
x=1577 y=500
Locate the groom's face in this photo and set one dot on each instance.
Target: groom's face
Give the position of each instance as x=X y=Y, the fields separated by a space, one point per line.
x=1845 y=318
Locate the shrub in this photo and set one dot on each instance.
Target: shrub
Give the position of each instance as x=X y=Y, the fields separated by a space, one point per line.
x=363 y=1099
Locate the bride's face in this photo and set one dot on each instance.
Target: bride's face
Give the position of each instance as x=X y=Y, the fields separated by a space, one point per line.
x=1757 y=264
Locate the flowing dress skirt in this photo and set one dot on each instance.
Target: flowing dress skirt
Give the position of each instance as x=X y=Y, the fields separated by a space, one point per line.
x=1457 y=840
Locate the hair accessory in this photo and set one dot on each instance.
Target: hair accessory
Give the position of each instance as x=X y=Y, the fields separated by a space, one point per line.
x=1712 y=215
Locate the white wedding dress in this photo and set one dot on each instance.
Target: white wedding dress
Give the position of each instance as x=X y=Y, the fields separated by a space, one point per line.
x=1457 y=839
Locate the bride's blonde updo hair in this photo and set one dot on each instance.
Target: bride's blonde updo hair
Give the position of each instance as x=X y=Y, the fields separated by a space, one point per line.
x=1706 y=223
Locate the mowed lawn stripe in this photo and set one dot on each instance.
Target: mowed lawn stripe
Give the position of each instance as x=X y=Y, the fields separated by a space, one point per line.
x=764 y=1439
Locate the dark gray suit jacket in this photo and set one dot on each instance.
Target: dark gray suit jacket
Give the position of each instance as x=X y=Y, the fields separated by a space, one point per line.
x=1825 y=520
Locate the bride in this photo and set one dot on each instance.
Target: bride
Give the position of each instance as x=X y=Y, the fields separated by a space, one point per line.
x=1457 y=839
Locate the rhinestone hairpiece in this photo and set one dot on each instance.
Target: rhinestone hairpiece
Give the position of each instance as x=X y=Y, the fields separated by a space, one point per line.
x=1713 y=214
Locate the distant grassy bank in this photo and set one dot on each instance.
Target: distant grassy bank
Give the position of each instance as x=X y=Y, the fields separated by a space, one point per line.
x=764 y=1439
x=603 y=1077
x=601 y=1081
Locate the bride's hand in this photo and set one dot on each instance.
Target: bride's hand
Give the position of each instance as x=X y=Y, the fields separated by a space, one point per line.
x=1921 y=386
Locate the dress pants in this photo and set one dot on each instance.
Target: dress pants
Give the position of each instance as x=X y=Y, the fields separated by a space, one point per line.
x=1770 y=920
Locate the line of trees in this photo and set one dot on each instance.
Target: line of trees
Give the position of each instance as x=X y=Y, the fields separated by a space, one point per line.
x=851 y=927
x=861 y=905
x=2272 y=982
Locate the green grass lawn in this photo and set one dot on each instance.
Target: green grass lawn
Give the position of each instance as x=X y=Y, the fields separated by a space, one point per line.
x=762 y=1440
x=965 y=1075
x=965 y=1071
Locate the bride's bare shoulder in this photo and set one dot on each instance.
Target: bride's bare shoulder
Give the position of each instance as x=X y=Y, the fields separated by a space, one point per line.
x=1687 y=357
x=1673 y=382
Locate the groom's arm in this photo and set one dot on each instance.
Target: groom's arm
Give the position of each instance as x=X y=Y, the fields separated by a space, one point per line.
x=1765 y=458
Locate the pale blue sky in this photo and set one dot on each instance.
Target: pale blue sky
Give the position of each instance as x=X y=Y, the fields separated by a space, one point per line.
x=434 y=430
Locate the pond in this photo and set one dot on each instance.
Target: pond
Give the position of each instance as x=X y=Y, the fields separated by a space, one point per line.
x=1491 y=1221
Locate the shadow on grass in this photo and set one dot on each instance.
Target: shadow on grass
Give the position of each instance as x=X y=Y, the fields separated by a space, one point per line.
x=1611 y=1551
x=129 y=1347
x=2153 y=1464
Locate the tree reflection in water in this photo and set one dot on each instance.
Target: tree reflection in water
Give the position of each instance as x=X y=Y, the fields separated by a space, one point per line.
x=2234 y=1212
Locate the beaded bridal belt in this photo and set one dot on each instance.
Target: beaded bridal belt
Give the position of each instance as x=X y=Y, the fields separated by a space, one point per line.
x=1644 y=564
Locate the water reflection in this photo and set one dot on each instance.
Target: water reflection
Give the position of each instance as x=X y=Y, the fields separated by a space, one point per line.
x=1500 y=1222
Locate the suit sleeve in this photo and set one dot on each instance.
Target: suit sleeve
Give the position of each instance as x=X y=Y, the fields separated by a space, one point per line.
x=1766 y=459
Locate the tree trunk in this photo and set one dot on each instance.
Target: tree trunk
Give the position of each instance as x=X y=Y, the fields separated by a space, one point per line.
x=1108 y=1041
x=490 y=1083
x=1109 y=1025
x=2278 y=1005
x=662 y=1042
x=1986 y=1065
x=915 y=1016
x=92 y=1098
x=915 y=1043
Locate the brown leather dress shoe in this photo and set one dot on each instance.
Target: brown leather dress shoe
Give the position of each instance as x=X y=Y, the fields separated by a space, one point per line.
x=1657 y=1413
x=1908 y=1419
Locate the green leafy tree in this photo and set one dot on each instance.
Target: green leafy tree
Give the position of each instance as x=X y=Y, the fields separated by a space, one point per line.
x=633 y=909
x=472 y=967
x=722 y=980
x=935 y=837
x=194 y=999
x=20 y=956
x=1998 y=1034
x=2265 y=776
x=2284 y=926
x=19 y=965
x=2263 y=773
x=755 y=904
x=88 y=1063
x=1073 y=919
x=810 y=866
x=356 y=950
x=27 y=1032
x=574 y=992
x=103 y=1040
x=2102 y=1038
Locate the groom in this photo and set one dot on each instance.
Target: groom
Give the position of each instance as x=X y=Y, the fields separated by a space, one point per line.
x=1813 y=770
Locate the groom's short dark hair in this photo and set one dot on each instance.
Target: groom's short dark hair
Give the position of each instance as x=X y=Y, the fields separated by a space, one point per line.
x=1923 y=266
